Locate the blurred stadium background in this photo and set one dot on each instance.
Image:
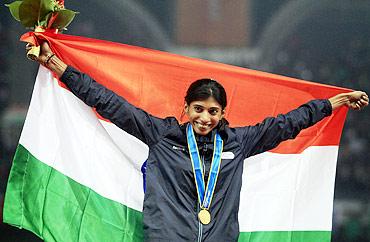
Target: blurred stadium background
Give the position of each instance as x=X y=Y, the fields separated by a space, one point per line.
x=324 y=41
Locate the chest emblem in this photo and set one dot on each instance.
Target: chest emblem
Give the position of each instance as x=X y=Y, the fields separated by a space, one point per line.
x=227 y=155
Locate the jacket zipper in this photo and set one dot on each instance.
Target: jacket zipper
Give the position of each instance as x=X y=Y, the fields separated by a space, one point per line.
x=178 y=148
x=200 y=231
x=200 y=227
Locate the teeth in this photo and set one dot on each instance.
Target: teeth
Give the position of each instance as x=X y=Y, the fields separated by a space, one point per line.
x=202 y=125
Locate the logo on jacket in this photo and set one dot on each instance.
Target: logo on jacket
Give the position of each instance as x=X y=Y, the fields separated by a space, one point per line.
x=227 y=155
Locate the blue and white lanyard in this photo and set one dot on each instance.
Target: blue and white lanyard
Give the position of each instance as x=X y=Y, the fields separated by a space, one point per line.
x=205 y=195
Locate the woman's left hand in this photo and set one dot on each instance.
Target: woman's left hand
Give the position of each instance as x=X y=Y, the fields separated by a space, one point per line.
x=356 y=100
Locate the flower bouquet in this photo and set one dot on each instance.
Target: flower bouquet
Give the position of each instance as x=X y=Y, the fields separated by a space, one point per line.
x=40 y=16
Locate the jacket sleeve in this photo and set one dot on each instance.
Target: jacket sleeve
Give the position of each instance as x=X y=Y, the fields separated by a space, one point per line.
x=113 y=107
x=273 y=130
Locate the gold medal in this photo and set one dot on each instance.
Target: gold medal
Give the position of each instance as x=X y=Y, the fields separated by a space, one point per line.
x=204 y=216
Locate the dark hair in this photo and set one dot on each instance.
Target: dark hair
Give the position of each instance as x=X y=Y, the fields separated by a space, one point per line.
x=202 y=89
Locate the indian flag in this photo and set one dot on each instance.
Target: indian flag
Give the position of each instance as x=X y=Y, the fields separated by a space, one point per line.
x=77 y=177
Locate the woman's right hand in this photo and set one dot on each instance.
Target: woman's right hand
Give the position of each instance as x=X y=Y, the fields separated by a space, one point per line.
x=45 y=53
x=48 y=59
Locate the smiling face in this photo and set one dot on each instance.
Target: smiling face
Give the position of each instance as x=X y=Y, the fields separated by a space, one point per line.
x=204 y=115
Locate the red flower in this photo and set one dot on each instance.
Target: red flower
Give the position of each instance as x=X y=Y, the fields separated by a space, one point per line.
x=61 y=3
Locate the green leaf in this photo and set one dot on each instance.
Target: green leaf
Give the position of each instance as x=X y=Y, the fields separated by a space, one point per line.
x=33 y=12
x=64 y=18
x=14 y=9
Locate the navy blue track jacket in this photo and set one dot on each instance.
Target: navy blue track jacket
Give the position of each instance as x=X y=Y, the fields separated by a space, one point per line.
x=171 y=202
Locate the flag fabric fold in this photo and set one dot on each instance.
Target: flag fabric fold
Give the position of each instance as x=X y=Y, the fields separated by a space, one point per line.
x=77 y=177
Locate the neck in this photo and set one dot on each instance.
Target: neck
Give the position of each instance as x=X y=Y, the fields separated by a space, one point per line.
x=206 y=138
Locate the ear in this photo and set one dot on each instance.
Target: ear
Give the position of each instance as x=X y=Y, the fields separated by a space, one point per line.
x=222 y=113
x=186 y=108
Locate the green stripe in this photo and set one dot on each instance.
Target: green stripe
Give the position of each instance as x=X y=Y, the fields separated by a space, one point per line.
x=56 y=208
x=285 y=236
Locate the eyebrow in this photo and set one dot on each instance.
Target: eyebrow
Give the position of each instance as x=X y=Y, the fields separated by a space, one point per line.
x=201 y=106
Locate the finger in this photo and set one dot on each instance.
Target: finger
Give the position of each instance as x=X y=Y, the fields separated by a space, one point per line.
x=28 y=46
x=365 y=97
x=352 y=105
x=362 y=102
x=31 y=57
x=45 y=46
x=358 y=106
x=363 y=105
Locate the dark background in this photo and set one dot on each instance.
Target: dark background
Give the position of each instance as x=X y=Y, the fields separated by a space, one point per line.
x=324 y=41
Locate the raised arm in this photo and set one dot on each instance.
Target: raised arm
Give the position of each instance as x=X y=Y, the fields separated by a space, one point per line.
x=108 y=104
x=272 y=131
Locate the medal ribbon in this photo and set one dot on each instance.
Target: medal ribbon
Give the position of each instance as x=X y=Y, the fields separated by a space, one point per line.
x=204 y=195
